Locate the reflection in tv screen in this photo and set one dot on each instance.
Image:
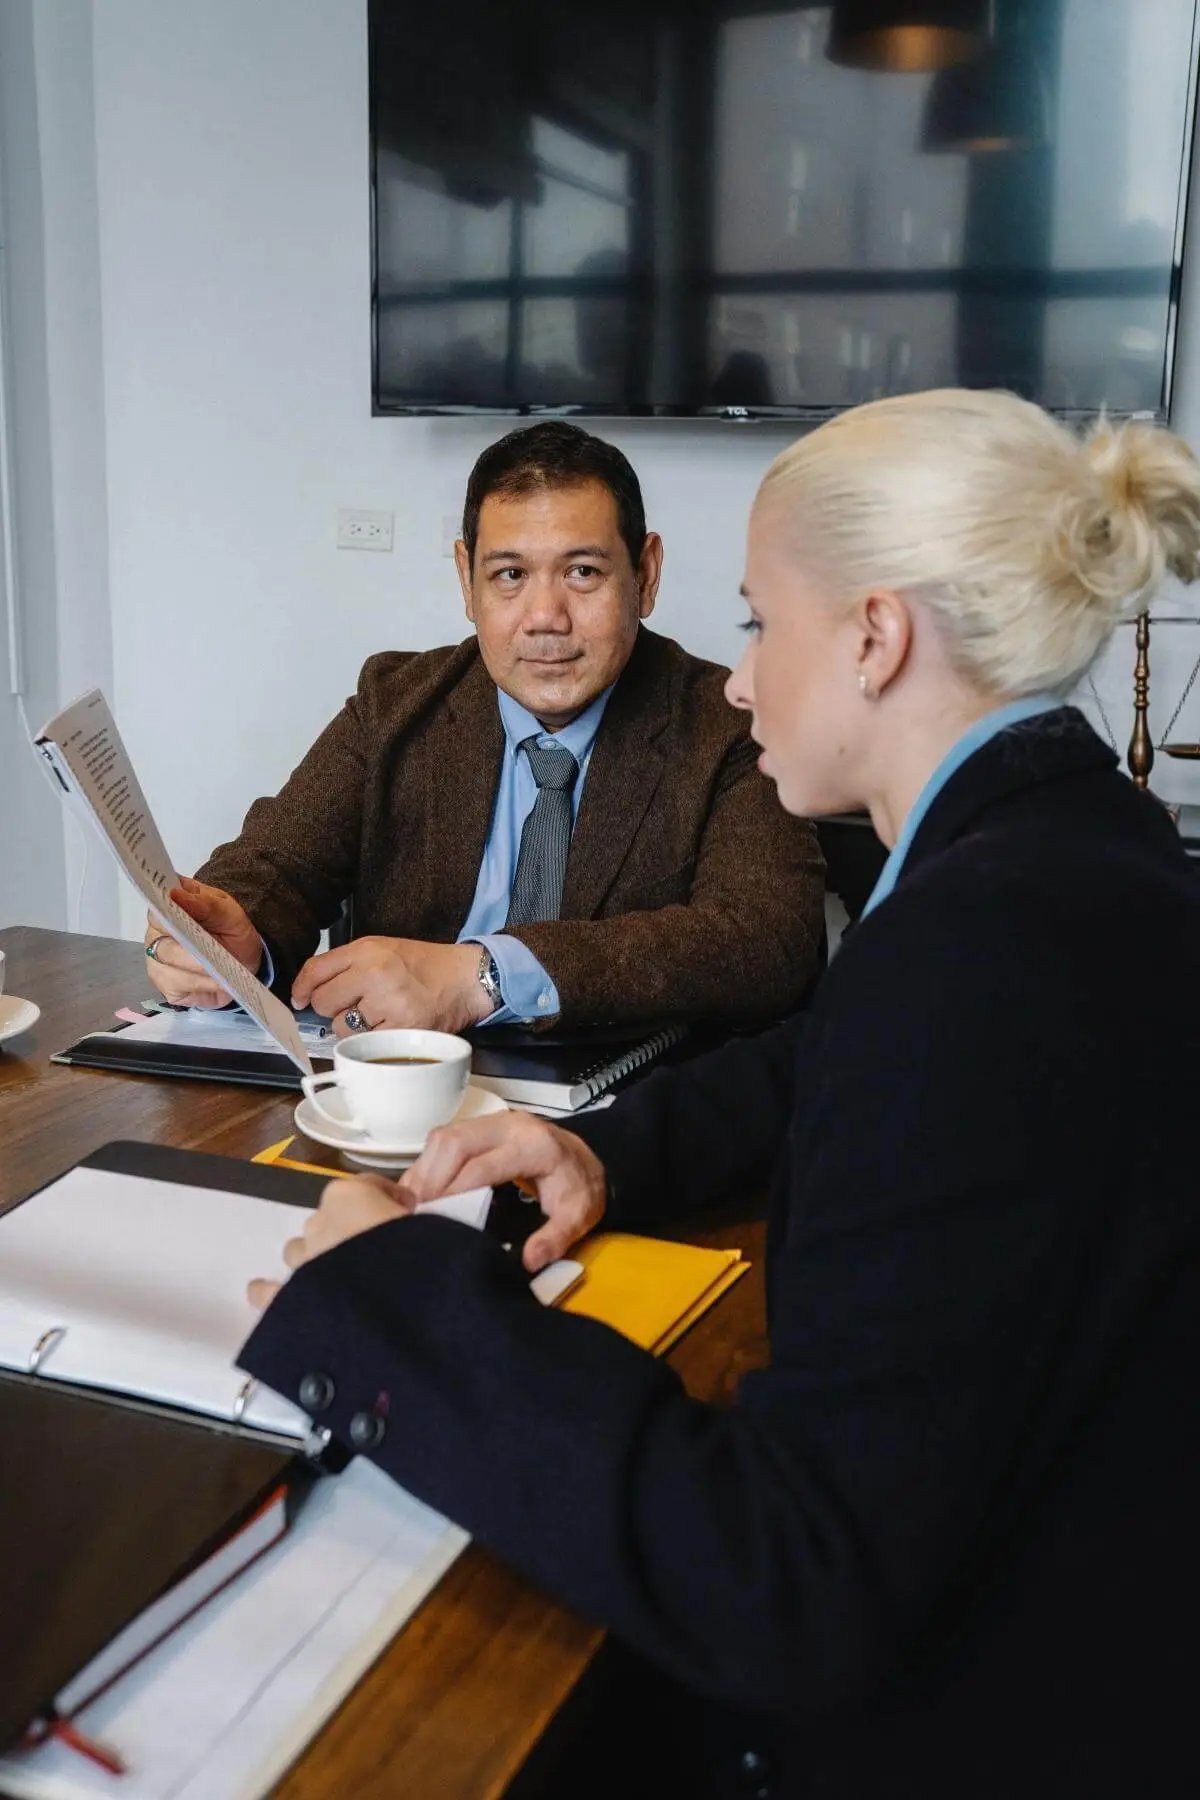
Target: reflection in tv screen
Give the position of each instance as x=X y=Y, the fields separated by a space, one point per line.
x=683 y=207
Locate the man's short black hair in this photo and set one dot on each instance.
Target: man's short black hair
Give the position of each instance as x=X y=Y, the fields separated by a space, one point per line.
x=555 y=454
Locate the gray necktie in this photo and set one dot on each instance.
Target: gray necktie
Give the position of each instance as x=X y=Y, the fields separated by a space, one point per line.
x=546 y=836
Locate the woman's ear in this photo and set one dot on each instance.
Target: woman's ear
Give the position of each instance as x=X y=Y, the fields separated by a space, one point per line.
x=885 y=624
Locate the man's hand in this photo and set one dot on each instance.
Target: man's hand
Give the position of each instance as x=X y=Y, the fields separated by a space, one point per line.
x=175 y=973
x=395 y=981
x=566 y=1176
x=348 y=1206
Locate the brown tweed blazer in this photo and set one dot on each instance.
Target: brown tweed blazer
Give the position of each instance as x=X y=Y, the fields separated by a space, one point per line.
x=689 y=892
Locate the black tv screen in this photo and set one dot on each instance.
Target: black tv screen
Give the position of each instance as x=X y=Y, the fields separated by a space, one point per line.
x=689 y=206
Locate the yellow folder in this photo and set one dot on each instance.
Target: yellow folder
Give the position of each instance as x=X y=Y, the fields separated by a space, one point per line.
x=649 y=1290
x=274 y=1154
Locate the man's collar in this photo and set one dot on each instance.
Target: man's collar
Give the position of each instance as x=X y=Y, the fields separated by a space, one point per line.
x=577 y=737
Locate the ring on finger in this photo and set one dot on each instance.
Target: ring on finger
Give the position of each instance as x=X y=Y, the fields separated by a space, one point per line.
x=355 y=1021
x=152 y=947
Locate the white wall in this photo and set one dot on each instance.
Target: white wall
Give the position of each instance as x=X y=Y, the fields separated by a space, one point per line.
x=1174 y=648
x=233 y=178
x=230 y=181
x=47 y=155
x=76 y=405
x=32 y=869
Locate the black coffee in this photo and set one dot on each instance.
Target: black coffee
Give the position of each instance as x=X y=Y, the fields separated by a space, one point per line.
x=405 y=1059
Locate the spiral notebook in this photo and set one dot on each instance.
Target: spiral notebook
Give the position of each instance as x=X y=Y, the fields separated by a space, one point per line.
x=564 y=1075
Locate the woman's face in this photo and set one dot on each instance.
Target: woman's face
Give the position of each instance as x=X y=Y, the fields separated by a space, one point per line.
x=799 y=678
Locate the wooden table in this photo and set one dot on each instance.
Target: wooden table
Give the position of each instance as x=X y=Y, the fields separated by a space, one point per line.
x=462 y=1696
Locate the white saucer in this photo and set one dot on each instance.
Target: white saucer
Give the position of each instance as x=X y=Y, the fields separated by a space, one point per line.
x=476 y=1104
x=17 y=1015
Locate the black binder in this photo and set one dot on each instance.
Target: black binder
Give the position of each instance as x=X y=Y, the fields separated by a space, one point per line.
x=107 y=1501
x=256 y=1068
x=594 y=1057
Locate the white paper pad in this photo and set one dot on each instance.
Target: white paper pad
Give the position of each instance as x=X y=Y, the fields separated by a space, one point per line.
x=229 y=1029
x=148 y=1279
x=471 y=1208
x=220 y=1710
x=562 y=1112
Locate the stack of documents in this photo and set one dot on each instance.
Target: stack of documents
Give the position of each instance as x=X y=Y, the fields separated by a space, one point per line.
x=237 y=1692
x=142 y=1453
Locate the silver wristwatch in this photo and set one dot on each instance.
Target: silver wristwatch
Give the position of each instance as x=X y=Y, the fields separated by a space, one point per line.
x=489 y=978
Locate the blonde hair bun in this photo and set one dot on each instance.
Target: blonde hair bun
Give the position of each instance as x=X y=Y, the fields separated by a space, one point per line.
x=1133 y=514
x=1025 y=542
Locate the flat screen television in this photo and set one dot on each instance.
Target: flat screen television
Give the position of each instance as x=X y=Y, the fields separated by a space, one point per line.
x=683 y=207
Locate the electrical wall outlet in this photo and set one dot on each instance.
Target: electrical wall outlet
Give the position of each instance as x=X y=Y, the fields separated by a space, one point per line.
x=359 y=530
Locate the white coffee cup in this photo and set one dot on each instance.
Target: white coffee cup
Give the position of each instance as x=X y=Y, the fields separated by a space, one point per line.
x=395 y=1102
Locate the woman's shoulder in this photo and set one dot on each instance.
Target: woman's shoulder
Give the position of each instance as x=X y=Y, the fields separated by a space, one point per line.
x=1029 y=912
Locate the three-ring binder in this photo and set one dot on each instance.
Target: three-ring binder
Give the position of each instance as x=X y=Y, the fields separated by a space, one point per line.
x=46 y=1344
x=54 y=1335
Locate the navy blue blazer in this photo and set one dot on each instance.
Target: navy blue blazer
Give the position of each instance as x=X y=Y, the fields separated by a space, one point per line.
x=945 y=1545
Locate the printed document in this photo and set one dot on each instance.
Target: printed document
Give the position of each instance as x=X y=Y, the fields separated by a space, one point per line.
x=84 y=754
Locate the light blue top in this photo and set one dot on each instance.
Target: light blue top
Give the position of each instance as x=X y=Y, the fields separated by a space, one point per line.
x=971 y=740
x=528 y=990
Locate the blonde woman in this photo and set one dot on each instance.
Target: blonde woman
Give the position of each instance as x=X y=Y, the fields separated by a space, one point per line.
x=945 y=1545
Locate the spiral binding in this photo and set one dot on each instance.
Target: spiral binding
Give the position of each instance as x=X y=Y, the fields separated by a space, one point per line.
x=602 y=1075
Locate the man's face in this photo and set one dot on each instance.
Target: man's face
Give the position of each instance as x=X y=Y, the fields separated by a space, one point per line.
x=554 y=597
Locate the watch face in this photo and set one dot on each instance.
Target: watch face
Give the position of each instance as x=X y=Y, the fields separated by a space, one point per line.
x=489 y=978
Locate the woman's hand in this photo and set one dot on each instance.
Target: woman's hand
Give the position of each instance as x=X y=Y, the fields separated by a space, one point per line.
x=349 y=1205
x=567 y=1177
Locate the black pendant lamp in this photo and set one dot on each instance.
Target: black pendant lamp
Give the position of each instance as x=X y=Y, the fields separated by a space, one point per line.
x=996 y=103
x=907 y=35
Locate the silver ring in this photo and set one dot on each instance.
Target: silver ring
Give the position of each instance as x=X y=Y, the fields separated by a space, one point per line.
x=355 y=1020
x=152 y=946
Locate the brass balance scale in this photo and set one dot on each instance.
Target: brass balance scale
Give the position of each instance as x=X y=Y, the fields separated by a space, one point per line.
x=1141 y=753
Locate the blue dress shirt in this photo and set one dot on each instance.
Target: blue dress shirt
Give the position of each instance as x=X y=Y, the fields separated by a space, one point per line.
x=527 y=989
x=971 y=740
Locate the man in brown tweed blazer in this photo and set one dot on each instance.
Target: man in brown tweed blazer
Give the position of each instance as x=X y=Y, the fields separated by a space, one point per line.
x=658 y=880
